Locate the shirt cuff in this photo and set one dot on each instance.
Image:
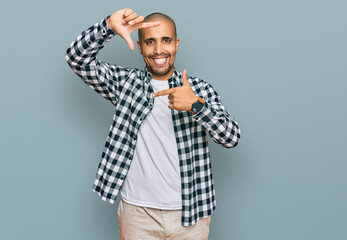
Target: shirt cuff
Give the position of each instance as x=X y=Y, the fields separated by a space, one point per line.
x=204 y=116
x=204 y=112
x=98 y=34
x=104 y=31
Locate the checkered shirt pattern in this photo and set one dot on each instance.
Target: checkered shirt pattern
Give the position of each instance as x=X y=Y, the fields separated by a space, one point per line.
x=129 y=90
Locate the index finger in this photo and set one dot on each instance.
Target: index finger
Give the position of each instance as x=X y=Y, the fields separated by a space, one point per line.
x=127 y=12
x=141 y=25
x=163 y=92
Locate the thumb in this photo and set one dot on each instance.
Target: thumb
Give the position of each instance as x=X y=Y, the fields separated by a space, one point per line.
x=184 y=78
x=129 y=41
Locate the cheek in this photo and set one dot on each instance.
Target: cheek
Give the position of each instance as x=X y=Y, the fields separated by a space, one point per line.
x=173 y=53
x=146 y=51
x=173 y=50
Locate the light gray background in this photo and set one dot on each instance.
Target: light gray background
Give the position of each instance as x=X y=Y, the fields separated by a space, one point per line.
x=279 y=67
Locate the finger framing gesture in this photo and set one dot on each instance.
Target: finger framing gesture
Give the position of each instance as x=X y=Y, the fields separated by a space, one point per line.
x=125 y=21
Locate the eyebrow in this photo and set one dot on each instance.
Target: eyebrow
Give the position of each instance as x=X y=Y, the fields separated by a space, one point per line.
x=153 y=39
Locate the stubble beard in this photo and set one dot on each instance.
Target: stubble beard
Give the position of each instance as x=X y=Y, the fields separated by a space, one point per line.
x=160 y=71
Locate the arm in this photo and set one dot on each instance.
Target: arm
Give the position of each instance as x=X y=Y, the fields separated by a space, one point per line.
x=81 y=55
x=215 y=118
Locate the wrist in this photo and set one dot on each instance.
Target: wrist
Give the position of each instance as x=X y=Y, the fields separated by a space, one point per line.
x=197 y=105
x=194 y=100
x=109 y=25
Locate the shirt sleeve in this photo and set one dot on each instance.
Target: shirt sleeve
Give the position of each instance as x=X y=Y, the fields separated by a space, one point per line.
x=216 y=119
x=102 y=77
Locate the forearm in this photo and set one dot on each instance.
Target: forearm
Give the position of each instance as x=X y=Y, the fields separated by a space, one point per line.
x=84 y=49
x=81 y=56
x=215 y=118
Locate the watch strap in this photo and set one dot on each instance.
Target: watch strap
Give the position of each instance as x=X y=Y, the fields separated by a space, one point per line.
x=197 y=105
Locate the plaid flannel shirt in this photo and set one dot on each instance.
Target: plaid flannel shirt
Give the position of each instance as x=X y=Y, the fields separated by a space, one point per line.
x=129 y=90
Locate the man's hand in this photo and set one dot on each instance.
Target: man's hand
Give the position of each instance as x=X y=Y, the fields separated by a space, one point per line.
x=125 y=21
x=180 y=98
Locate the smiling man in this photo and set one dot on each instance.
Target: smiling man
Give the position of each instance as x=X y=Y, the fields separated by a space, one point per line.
x=158 y=46
x=156 y=154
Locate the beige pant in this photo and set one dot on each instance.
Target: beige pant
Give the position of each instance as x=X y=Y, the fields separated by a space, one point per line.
x=137 y=223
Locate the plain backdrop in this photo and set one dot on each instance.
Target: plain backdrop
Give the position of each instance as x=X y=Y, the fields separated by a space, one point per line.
x=279 y=67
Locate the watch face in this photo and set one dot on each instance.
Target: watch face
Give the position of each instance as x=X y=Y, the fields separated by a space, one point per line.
x=197 y=106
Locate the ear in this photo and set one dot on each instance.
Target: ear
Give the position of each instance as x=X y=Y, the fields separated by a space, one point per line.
x=177 y=43
x=139 y=45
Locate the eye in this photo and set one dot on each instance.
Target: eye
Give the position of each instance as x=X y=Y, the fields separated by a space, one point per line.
x=167 y=40
x=149 y=42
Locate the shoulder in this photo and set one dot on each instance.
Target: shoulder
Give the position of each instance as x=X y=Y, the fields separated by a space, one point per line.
x=199 y=82
x=202 y=87
x=125 y=72
x=199 y=85
x=192 y=79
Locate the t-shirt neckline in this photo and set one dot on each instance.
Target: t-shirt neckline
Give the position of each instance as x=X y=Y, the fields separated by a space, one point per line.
x=160 y=82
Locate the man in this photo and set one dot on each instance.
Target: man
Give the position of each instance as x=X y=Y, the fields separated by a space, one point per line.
x=160 y=127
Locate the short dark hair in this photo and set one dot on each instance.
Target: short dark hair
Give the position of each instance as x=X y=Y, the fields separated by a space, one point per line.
x=159 y=15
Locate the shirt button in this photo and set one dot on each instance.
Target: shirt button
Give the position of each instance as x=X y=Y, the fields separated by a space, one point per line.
x=140 y=119
x=121 y=177
x=103 y=31
x=89 y=42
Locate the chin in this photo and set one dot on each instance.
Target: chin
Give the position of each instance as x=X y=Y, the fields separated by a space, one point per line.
x=160 y=71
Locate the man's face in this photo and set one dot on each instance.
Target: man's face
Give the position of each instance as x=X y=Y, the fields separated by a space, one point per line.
x=158 y=47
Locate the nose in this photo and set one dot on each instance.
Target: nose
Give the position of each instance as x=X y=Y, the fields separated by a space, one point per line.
x=158 y=49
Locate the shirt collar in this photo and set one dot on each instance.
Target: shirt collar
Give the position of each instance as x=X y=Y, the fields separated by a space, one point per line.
x=175 y=78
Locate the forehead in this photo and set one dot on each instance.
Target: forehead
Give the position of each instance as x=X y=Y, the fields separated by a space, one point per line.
x=165 y=29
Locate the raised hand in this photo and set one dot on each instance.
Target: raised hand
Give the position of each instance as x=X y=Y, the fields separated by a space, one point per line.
x=125 y=21
x=180 y=98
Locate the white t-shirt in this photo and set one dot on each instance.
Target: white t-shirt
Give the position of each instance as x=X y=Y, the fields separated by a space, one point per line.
x=153 y=179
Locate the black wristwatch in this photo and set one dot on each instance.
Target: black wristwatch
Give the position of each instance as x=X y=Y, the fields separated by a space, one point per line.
x=196 y=106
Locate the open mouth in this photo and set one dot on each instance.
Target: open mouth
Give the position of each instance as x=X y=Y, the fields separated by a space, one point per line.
x=160 y=61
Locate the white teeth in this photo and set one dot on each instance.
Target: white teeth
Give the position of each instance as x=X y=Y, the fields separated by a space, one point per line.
x=159 y=60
